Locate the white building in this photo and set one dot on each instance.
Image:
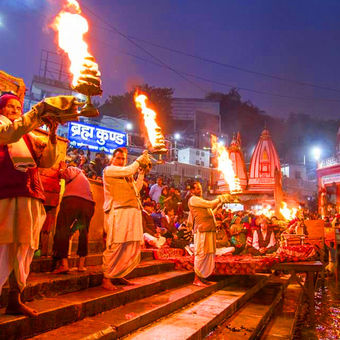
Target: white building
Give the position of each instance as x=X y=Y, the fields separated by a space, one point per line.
x=194 y=157
x=196 y=119
x=294 y=171
x=186 y=108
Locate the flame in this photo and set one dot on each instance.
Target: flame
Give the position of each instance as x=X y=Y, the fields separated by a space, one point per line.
x=154 y=131
x=266 y=211
x=287 y=213
x=71 y=27
x=225 y=165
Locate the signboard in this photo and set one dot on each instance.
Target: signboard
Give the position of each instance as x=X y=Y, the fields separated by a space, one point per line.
x=330 y=179
x=95 y=138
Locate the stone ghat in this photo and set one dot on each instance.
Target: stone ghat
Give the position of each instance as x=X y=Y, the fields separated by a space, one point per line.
x=162 y=303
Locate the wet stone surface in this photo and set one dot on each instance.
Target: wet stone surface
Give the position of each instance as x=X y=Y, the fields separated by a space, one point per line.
x=327 y=313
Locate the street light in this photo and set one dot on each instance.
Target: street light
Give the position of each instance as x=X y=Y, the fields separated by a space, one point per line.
x=316 y=152
x=129 y=126
x=177 y=137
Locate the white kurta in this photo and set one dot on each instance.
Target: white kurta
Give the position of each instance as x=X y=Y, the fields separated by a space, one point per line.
x=205 y=242
x=21 y=218
x=123 y=226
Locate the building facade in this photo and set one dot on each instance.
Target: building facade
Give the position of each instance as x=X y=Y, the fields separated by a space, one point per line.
x=194 y=157
x=328 y=176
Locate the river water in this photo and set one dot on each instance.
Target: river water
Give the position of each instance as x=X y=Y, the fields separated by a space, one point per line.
x=327 y=313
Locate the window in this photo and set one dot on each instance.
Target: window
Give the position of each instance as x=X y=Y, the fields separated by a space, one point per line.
x=197 y=162
x=297 y=175
x=197 y=153
x=202 y=153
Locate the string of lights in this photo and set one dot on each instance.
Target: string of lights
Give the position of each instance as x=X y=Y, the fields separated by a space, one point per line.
x=183 y=74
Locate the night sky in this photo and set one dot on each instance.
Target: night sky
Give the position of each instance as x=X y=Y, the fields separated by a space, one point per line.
x=294 y=40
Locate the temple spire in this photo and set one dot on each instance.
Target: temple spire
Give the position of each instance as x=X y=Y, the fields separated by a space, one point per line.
x=237 y=158
x=263 y=163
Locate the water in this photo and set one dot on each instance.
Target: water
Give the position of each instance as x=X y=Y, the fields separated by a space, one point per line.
x=327 y=313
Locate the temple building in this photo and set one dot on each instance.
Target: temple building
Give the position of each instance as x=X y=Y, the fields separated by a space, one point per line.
x=262 y=184
x=236 y=156
x=328 y=174
x=263 y=163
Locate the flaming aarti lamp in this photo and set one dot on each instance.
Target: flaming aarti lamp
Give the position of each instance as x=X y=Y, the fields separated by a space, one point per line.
x=159 y=148
x=156 y=141
x=89 y=84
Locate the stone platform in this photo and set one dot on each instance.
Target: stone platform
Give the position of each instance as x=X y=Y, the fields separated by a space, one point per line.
x=162 y=303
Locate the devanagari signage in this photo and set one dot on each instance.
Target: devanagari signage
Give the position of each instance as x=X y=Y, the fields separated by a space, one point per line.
x=95 y=138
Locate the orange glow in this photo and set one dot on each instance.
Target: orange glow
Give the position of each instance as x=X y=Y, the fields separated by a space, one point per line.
x=287 y=213
x=155 y=135
x=225 y=165
x=71 y=27
x=266 y=211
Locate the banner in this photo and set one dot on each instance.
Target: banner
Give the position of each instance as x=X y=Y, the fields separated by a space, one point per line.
x=96 y=138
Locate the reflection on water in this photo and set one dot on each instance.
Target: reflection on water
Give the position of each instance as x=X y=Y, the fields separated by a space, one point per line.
x=327 y=309
x=327 y=313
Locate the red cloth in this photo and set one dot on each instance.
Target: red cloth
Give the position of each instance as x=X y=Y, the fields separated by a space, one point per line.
x=239 y=264
x=5 y=98
x=296 y=253
x=15 y=183
x=51 y=183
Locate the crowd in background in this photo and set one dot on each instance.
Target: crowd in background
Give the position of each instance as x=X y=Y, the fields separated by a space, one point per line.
x=165 y=214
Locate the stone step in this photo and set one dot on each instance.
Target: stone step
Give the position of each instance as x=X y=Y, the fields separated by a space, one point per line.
x=64 y=309
x=124 y=319
x=198 y=319
x=46 y=264
x=250 y=320
x=93 y=246
x=282 y=325
x=41 y=285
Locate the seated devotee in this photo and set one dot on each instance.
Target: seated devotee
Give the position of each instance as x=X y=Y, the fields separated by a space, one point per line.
x=157 y=215
x=185 y=233
x=264 y=241
x=173 y=201
x=151 y=233
x=149 y=225
x=169 y=221
x=297 y=225
x=278 y=226
x=223 y=244
x=238 y=235
x=164 y=197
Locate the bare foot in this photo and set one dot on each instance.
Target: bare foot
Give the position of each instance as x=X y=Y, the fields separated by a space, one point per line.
x=207 y=282
x=198 y=282
x=61 y=270
x=123 y=281
x=21 y=309
x=107 y=284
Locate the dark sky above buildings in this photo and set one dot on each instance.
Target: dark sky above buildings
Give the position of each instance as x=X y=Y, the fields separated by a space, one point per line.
x=282 y=55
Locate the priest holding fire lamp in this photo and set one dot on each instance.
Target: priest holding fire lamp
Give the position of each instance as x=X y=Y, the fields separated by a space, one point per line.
x=123 y=216
x=22 y=212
